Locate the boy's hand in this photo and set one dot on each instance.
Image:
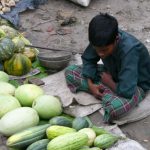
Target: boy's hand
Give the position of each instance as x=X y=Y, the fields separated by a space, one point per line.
x=95 y=89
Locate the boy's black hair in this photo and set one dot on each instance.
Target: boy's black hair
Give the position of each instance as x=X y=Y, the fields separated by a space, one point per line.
x=103 y=30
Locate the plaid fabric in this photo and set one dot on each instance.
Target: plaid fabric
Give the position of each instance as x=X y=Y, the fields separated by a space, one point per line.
x=114 y=106
x=75 y=81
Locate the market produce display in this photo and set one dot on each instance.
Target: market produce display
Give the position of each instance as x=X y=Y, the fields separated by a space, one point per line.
x=5 y=5
x=16 y=58
x=26 y=130
x=31 y=119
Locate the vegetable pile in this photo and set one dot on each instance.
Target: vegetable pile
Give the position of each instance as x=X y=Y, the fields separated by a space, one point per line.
x=33 y=120
x=15 y=57
x=5 y=5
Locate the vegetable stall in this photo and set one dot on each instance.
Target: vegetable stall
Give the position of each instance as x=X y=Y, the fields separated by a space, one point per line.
x=16 y=59
x=31 y=119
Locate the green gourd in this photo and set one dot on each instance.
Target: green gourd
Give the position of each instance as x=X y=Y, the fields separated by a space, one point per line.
x=61 y=120
x=27 y=137
x=104 y=141
x=18 y=65
x=39 y=145
x=6 y=49
x=69 y=141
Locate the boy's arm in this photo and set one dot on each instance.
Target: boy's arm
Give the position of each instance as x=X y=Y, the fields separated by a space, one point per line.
x=106 y=78
x=128 y=75
x=90 y=59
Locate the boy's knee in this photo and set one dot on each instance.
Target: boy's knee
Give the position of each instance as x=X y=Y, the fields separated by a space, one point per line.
x=69 y=69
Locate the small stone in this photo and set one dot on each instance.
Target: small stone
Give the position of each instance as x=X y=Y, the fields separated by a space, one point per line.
x=147 y=41
x=45 y=17
x=3 y=147
x=71 y=106
x=146 y=122
x=146 y=140
x=62 y=15
x=108 y=6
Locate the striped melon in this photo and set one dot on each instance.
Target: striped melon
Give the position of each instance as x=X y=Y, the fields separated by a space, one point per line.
x=18 y=65
x=6 y=49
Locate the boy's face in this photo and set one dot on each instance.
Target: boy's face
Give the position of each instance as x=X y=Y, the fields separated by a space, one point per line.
x=105 y=51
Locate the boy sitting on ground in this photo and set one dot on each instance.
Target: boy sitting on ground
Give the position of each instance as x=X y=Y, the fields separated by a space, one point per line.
x=123 y=79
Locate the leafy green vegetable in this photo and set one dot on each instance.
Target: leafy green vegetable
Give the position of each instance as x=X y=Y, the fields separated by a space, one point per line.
x=41 y=75
x=15 y=83
x=36 y=64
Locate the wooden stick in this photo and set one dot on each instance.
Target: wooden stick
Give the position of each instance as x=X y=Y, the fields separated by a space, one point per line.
x=41 y=23
x=53 y=49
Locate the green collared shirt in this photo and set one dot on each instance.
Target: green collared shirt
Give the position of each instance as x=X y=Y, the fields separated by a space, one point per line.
x=129 y=65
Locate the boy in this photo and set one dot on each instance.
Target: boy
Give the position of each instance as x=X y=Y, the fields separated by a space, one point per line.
x=121 y=82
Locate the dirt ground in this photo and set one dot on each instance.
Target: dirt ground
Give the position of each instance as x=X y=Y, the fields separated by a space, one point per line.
x=43 y=27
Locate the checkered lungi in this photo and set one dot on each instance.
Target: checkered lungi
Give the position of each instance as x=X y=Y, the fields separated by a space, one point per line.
x=114 y=106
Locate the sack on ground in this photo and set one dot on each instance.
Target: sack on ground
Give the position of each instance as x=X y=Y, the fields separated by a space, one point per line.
x=84 y=3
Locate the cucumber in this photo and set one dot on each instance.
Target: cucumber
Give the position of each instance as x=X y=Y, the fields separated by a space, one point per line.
x=69 y=141
x=42 y=122
x=99 y=130
x=80 y=123
x=88 y=148
x=61 y=120
x=89 y=121
x=55 y=130
x=104 y=141
x=67 y=116
x=26 y=137
x=39 y=145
